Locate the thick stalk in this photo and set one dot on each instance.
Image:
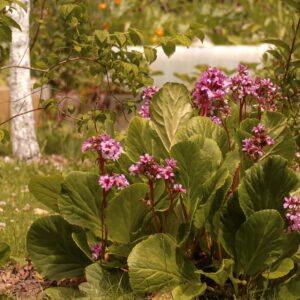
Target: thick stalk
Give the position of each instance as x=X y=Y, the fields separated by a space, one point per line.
x=152 y=203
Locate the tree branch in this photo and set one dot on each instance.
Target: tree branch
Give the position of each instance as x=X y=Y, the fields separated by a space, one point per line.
x=20 y=114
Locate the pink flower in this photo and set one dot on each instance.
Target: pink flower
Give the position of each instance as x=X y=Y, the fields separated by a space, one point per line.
x=292 y=205
x=267 y=92
x=106 y=182
x=253 y=147
x=178 y=188
x=150 y=168
x=96 y=251
x=166 y=173
x=121 y=181
x=147 y=158
x=148 y=93
x=216 y=120
x=242 y=84
x=134 y=169
x=171 y=162
x=210 y=91
x=109 y=148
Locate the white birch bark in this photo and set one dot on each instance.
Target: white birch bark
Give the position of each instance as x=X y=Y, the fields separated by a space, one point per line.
x=24 y=141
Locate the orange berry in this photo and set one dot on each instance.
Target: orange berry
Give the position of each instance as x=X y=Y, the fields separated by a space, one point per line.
x=102 y=5
x=105 y=26
x=117 y=2
x=159 y=32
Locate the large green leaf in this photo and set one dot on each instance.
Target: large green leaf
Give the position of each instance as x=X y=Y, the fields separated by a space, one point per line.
x=259 y=240
x=277 y=127
x=195 y=167
x=205 y=127
x=47 y=189
x=210 y=147
x=125 y=213
x=265 y=184
x=157 y=264
x=52 y=250
x=212 y=196
x=170 y=109
x=138 y=139
x=4 y=253
x=80 y=203
x=231 y=218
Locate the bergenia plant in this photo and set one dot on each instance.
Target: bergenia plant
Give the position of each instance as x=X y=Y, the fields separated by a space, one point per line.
x=197 y=199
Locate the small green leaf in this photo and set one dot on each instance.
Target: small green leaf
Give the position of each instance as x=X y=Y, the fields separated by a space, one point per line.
x=169 y=47
x=150 y=54
x=278 y=43
x=56 y=293
x=222 y=275
x=67 y=9
x=279 y=270
x=100 y=280
x=101 y=36
x=135 y=36
x=183 y=40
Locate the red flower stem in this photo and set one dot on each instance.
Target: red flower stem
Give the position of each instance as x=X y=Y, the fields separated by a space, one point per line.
x=155 y=218
x=101 y=163
x=183 y=209
x=227 y=133
x=241 y=111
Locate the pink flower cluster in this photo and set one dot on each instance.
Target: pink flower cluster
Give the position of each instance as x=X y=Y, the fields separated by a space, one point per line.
x=292 y=205
x=148 y=93
x=105 y=145
x=109 y=181
x=242 y=84
x=263 y=90
x=96 y=251
x=213 y=86
x=150 y=168
x=266 y=93
x=253 y=147
x=209 y=93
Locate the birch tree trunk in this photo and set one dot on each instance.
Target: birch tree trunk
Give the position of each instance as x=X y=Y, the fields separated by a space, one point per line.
x=24 y=141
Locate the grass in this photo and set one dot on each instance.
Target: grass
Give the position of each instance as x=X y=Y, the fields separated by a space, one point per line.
x=18 y=206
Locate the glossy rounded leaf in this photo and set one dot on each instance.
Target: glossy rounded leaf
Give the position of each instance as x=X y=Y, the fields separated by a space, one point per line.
x=52 y=250
x=157 y=264
x=259 y=241
x=47 y=190
x=125 y=213
x=170 y=109
x=266 y=184
x=80 y=203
